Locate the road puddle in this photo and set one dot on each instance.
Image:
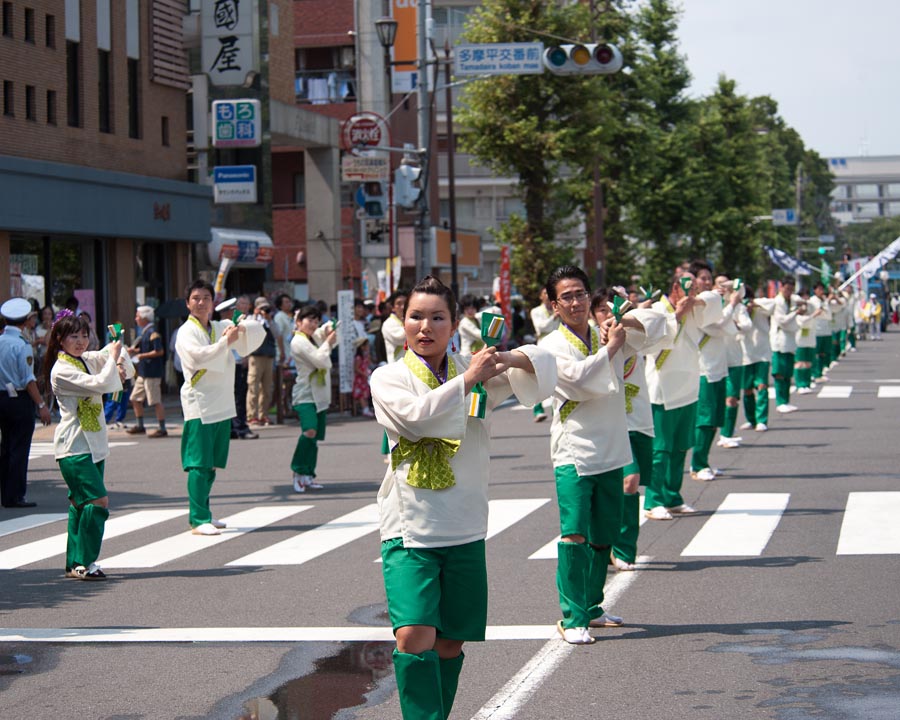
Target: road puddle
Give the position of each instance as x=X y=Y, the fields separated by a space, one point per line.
x=341 y=681
x=17 y=664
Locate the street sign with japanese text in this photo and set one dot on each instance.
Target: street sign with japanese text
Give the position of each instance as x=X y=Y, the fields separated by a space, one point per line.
x=228 y=51
x=499 y=59
x=365 y=129
x=364 y=169
x=236 y=123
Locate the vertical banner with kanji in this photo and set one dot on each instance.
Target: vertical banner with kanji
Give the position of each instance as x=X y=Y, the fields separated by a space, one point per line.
x=227 y=50
x=506 y=288
x=404 y=77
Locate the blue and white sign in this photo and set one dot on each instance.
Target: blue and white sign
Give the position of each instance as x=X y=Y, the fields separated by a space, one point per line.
x=784 y=216
x=234 y=184
x=236 y=123
x=499 y=59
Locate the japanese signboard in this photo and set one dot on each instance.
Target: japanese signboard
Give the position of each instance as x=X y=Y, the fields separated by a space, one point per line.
x=499 y=59
x=228 y=51
x=236 y=123
x=364 y=169
x=234 y=184
x=404 y=77
x=366 y=129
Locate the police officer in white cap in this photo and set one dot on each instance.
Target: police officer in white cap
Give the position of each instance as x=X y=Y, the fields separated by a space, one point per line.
x=18 y=396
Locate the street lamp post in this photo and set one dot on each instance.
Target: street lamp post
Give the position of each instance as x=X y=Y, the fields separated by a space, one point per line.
x=386 y=27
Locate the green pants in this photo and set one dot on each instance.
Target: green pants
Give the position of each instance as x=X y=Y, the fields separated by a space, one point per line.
x=674 y=430
x=803 y=375
x=87 y=521
x=756 y=393
x=782 y=371
x=306 y=452
x=823 y=355
x=426 y=684
x=710 y=415
x=203 y=449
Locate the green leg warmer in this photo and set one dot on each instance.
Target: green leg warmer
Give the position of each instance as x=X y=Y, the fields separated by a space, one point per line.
x=572 y=572
x=305 y=455
x=419 y=685
x=782 y=390
x=750 y=406
x=72 y=552
x=762 y=405
x=199 y=485
x=626 y=546
x=731 y=414
x=676 y=478
x=654 y=495
x=450 y=669
x=597 y=578
x=90 y=533
x=703 y=438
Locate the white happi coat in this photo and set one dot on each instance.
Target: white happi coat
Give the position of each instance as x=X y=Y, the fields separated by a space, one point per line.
x=70 y=384
x=406 y=406
x=394 y=337
x=309 y=358
x=208 y=363
x=755 y=342
x=782 y=334
x=674 y=381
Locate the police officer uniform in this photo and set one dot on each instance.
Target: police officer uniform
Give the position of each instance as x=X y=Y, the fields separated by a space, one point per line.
x=16 y=404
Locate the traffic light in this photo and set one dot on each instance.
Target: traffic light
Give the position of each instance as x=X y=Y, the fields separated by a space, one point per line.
x=374 y=199
x=376 y=232
x=587 y=59
x=823 y=249
x=406 y=185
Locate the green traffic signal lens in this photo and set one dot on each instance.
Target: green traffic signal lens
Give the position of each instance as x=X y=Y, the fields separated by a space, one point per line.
x=557 y=57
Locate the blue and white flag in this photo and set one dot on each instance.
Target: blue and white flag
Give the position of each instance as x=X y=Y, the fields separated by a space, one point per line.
x=881 y=259
x=788 y=262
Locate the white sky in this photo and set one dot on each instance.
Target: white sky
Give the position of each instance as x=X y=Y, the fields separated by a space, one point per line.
x=833 y=66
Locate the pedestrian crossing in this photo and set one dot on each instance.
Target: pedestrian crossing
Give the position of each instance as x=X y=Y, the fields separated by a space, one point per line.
x=741 y=526
x=45 y=449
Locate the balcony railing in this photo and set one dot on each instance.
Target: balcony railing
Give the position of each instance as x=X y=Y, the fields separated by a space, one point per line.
x=320 y=87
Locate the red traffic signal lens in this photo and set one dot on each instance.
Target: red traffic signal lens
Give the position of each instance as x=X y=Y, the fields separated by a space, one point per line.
x=604 y=54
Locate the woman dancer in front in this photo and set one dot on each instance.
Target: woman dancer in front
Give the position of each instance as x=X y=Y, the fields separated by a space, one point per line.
x=433 y=501
x=79 y=378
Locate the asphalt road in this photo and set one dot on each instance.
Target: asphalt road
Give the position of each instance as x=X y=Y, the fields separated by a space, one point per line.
x=804 y=625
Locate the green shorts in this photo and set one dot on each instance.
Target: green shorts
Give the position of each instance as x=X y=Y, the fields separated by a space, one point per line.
x=310 y=419
x=205 y=446
x=783 y=364
x=734 y=383
x=589 y=505
x=674 y=429
x=83 y=477
x=711 y=403
x=756 y=375
x=805 y=354
x=641 y=457
x=444 y=588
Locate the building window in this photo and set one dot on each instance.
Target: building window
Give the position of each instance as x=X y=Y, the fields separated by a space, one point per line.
x=73 y=83
x=165 y=131
x=299 y=190
x=29 y=25
x=134 y=99
x=30 y=103
x=8 y=98
x=7 y=19
x=51 y=107
x=50 y=31
x=104 y=91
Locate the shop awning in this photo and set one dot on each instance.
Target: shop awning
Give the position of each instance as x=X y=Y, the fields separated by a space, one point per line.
x=248 y=248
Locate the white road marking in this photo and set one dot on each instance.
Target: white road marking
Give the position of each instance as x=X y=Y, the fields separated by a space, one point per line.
x=889 y=391
x=177 y=546
x=505 y=705
x=56 y=545
x=835 y=391
x=870 y=524
x=742 y=525
x=26 y=522
x=308 y=545
x=45 y=449
x=548 y=551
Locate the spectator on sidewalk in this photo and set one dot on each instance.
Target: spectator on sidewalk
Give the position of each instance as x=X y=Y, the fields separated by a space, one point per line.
x=240 y=430
x=261 y=370
x=149 y=353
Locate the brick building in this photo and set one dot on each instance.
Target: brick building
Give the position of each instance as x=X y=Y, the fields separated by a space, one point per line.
x=94 y=197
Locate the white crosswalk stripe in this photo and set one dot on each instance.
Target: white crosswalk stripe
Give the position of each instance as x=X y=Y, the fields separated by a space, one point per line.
x=45 y=449
x=889 y=391
x=742 y=525
x=56 y=545
x=836 y=391
x=870 y=524
x=186 y=543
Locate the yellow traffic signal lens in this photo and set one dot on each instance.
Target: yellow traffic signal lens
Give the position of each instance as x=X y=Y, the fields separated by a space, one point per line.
x=580 y=55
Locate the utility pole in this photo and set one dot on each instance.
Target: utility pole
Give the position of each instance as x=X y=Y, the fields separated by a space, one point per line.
x=798 y=199
x=423 y=265
x=451 y=171
x=599 y=237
